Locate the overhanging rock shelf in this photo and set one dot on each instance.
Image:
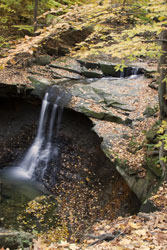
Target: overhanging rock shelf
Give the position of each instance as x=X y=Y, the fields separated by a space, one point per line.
x=114 y=105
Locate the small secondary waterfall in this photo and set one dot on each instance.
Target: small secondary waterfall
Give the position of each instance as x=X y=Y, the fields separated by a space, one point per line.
x=130 y=72
x=39 y=152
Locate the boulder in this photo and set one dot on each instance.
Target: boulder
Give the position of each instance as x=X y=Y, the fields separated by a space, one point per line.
x=150 y=111
x=109 y=69
x=92 y=73
x=95 y=111
x=68 y=64
x=151 y=135
x=15 y=239
x=154 y=166
x=59 y=73
x=43 y=60
x=40 y=86
x=106 y=99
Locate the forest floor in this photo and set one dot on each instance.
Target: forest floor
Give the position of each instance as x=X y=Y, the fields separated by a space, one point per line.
x=142 y=231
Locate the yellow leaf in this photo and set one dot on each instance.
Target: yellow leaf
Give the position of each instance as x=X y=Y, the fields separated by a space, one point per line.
x=158 y=145
x=161 y=18
x=140 y=232
x=2 y=66
x=155 y=196
x=164 y=122
x=87 y=178
x=134 y=225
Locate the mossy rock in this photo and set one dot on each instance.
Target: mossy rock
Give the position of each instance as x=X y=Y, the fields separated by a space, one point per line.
x=40 y=86
x=149 y=111
x=90 y=112
x=43 y=60
x=151 y=135
x=109 y=70
x=101 y=115
x=14 y=239
x=67 y=64
x=154 y=166
x=92 y=74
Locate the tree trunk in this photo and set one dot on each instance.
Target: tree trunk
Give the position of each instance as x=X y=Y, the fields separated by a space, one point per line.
x=163 y=74
x=162 y=68
x=35 y=14
x=124 y=2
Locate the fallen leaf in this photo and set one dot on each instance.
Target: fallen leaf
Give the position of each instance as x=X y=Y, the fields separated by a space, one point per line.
x=141 y=232
x=161 y=237
x=12 y=61
x=73 y=247
x=134 y=225
x=2 y=66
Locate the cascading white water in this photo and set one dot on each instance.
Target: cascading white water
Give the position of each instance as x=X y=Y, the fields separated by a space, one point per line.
x=45 y=154
x=40 y=150
x=129 y=73
x=31 y=158
x=39 y=155
x=45 y=104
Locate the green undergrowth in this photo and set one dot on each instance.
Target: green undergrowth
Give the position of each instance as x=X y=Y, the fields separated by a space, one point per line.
x=124 y=32
x=17 y=17
x=127 y=33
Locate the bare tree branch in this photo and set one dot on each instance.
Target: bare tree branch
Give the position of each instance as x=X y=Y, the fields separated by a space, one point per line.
x=107 y=237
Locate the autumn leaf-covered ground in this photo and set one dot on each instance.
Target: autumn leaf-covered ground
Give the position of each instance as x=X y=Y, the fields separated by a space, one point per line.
x=144 y=231
x=101 y=24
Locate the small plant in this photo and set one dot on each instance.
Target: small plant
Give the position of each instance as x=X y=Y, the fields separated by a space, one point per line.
x=162 y=139
x=20 y=27
x=24 y=242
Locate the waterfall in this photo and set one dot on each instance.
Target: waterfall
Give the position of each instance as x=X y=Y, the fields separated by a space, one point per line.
x=31 y=158
x=42 y=116
x=39 y=153
x=130 y=72
x=45 y=154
